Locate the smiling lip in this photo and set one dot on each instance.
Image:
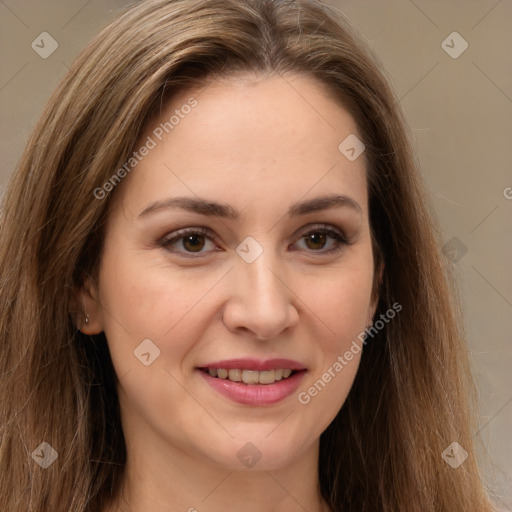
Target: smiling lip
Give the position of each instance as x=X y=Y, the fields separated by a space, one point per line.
x=255 y=394
x=255 y=364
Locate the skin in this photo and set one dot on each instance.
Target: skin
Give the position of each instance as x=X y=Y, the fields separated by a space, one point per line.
x=259 y=145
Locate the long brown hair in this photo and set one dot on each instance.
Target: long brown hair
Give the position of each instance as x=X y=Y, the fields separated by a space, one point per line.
x=411 y=397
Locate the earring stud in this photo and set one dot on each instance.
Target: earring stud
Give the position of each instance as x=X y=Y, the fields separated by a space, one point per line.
x=85 y=322
x=85 y=311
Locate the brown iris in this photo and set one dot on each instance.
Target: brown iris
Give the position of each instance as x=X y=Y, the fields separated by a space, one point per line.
x=194 y=242
x=316 y=238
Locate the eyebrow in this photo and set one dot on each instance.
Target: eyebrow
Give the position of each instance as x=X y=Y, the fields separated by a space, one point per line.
x=214 y=209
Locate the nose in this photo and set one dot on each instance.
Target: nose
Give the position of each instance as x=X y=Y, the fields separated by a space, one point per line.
x=261 y=301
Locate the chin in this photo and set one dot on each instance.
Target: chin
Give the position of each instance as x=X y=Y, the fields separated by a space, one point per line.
x=257 y=452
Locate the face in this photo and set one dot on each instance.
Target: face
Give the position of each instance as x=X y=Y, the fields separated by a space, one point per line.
x=254 y=270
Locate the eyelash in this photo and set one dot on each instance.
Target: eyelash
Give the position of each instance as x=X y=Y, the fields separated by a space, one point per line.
x=167 y=241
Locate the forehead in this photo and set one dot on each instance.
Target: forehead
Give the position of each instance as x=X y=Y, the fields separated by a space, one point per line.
x=244 y=110
x=251 y=139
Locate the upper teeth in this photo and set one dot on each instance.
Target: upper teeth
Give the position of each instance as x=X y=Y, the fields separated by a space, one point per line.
x=250 y=376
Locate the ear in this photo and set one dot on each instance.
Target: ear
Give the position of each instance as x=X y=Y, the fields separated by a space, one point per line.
x=89 y=314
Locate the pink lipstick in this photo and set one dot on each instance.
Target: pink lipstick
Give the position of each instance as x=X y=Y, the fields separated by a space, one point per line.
x=253 y=381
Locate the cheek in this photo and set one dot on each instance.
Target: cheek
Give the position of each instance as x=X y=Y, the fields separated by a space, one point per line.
x=145 y=302
x=147 y=299
x=343 y=310
x=338 y=354
x=343 y=304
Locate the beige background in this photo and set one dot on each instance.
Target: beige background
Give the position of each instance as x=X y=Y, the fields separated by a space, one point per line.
x=460 y=111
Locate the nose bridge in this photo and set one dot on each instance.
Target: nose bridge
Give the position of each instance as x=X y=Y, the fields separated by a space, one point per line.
x=263 y=278
x=261 y=275
x=260 y=300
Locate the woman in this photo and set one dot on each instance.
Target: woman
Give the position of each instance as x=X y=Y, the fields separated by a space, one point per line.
x=311 y=358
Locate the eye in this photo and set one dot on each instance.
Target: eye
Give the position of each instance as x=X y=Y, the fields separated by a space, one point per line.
x=192 y=240
x=317 y=236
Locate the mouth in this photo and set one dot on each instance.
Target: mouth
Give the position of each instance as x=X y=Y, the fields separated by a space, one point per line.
x=253 y=382
x=250 y=376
